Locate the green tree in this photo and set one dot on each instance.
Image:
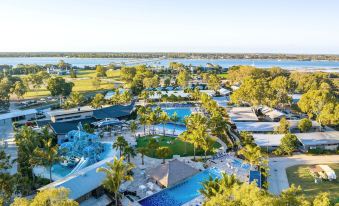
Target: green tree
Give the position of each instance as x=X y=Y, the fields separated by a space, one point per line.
x=153 y=146
x=47 y=155
x=183 y=78
x=50 y=196
x=293 y=196
x=74 y=100
x=120 y=144
x=214 y=82
x=163 y=152
x=252 y=154
x=129 y=152
x=288 y=144
x=304 y=125
x=58 y=86
x=6 y=180
x=207 y=144
x=283 y=127
x=133 y=127
x=127 y=73
x=116 y=173
x=142 y=151
x=72 y=73
x=19 y=89
x=100 y=70
x=322 y=200
x=96 y=82
x=281 y=89
x=329 y=114
x=164 y=118
x=98 y=101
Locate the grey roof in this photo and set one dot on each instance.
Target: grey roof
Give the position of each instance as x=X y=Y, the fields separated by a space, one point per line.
x=267 y=126
x=243 y=114
x=81 y=182
x=70 y=111
x=17 y=113
x=172 y=172
x=115 y=111
x=60 y=128
x=270 y=140
x=319 y=138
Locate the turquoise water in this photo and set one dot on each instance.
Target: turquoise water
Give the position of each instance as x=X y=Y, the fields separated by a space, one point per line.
x=181 y=112
x=263 y=63
x=240 y=164
x=182 y=192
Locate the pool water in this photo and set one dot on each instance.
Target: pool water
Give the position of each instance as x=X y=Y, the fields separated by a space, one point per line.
x=239 y=163
x=182 y=112
x=182 y=192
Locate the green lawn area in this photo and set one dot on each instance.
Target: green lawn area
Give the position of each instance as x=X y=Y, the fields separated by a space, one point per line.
x=300 y=175
x=224 y=75
x=177 y=146
x=83 y=83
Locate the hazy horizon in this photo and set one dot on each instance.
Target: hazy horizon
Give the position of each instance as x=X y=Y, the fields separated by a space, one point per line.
x=284 y=27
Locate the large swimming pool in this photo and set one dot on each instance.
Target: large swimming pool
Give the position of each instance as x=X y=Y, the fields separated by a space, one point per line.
x=182 y=192
x=182 y=112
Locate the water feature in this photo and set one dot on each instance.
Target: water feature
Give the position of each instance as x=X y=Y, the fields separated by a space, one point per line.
x=181 y=193
x=262 y=63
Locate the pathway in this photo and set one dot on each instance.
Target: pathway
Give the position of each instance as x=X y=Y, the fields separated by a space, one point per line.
x=278 y=178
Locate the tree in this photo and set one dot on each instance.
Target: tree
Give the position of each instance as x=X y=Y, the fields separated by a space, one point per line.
x=74 y=100
x=283 y=127
x=58 y=86
x=47 y=155
x=167 y=82
x=127 y=73
x=116 y=173
x=98 y=101
x=96 y=83
x=163 y=152
x=329 y=114
x=252 y=154
x=212 y=187
x=183 y=78
x=207 y=144
x=153 y=145
x=50 y=196
x=120 y=143
x=164 y=118
x=72 y=73
x=293 y=196
x=288 y=144
x=6 y=180
x=247 y=138
x=100 y=70
x=281 y=88
x=129 y=152
x=142 y=151
x=19 y=89
x=322 y=200
x=304 y=125
x=214 y=82
x=133 y=127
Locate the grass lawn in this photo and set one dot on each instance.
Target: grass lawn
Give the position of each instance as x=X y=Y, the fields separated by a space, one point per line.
x=177 y=146
x=300 y=175
x=223 y=76
x=83 y=83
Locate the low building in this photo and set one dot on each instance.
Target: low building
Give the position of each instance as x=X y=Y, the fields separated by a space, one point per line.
x=268 y=142
x=84 y=184
x=243 y=114
x=20 y=116
x=171 y=173
x=273 y=114
x=265 y=127
x=319 y=140
x=64 y=115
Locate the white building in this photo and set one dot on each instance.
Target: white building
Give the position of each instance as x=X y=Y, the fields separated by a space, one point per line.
x=20 y=116
x=243 y=114
x=63 y=115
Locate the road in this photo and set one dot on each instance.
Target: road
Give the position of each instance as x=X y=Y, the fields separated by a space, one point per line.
x=278 y=178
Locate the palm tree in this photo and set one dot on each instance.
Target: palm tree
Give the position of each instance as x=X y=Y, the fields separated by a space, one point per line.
x=47 y=155
x=163 y=152
x=207 y=144
x=196 y=137
x=142 y=151
x=164 y=118
x=252 y=154
x=120 y=144
x=216 y=186
x=153 y=145
x=116 y=173
x=174 y=118
x=185 y=138
x=129 y=152
x=133 y=127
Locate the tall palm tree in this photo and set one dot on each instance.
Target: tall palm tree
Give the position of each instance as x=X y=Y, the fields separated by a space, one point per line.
x=175 y=119
x=216 y=186
x=164 y=118
x=129 y=152
x=120 y=144
x=207 y=144
x=153 y=145
x=185 y=138
x=142 y=117
x=142 y=151
x=133 y=127
x=116 y=173
x=47 y=155
x=163 y=152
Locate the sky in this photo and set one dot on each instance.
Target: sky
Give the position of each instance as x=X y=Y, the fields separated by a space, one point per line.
x=263 y=26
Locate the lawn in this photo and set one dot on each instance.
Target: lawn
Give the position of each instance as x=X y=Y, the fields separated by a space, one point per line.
x=223 y=76
x=83 y=83
x=300 y=175
x=177 y=146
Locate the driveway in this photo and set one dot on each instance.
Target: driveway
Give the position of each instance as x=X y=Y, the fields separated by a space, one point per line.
x=278 y=178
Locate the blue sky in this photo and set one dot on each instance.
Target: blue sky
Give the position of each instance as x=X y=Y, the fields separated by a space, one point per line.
x=288 y=26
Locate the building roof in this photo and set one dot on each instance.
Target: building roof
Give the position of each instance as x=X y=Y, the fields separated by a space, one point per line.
x=272 y=113
x=115 y=111
x=83 y=181
x=221 y=101
x=238 y=114
x=60 y=128
x=267 y=126
x=17 y=113
x=70 y=111
x=318 y=138
x=172 y=172
x=224 y=91
x=267 y=140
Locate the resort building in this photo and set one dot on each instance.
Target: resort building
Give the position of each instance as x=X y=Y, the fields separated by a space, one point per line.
x=171 y=173
x=267 y=127
x=272 y=114
x=20 y=116
x=243 y=114
x=268 y=142
x=64 y=115
x=84 y=185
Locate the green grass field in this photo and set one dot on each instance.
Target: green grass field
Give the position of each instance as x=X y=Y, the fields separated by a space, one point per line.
x=177 y=146
x=300 y=175
x=83 y=83
x=223 y=76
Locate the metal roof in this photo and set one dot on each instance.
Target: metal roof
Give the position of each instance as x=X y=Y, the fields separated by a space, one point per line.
x=318 y=138
x=17 y=113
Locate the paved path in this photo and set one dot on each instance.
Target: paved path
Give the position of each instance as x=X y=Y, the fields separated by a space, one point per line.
x=278 y=178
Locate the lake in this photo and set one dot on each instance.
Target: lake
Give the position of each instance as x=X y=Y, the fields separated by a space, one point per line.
x=330 y=66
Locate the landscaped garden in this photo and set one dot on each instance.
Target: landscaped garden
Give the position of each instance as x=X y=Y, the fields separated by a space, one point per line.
x=176 y=146
x=301 y=175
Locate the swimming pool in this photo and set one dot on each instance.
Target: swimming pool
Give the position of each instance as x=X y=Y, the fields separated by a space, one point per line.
x=182 y=112
x=239 y=163
x=182 y=192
